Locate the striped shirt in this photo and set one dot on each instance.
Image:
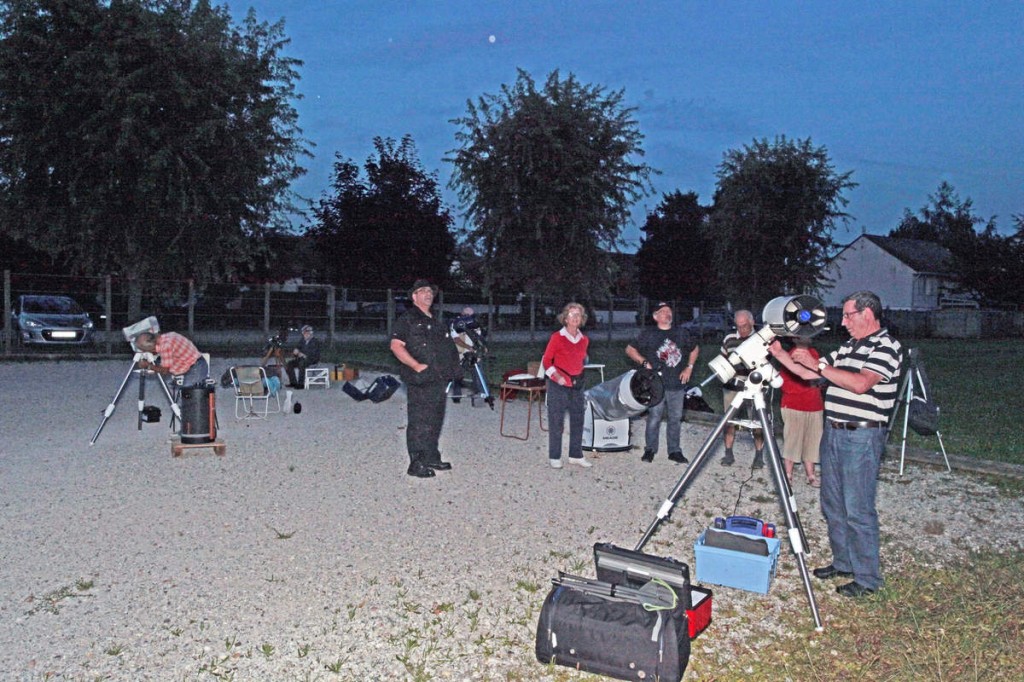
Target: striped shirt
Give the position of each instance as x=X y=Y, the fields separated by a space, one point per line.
x=878 y=353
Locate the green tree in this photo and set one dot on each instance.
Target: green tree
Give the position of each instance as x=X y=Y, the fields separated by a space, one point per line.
x=775 y=207
x=945 y=220
x=674 y=260
x=546 y=177
x=149 y=138
x=387 y=229
x=988 y=264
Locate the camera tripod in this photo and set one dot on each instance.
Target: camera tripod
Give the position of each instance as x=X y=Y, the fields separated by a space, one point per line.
x=753 y=390
x=139 y=356
x=471 y=360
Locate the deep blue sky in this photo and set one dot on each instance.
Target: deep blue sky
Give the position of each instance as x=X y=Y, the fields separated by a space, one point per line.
x=904 y=94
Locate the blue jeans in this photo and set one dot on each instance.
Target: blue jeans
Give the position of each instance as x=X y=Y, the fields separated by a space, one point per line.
x=197 y=374
x=849 y=482
x=674 y=404
x=560 y=401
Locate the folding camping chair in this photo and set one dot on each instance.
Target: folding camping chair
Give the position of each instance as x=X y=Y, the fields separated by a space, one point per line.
x=253 y=397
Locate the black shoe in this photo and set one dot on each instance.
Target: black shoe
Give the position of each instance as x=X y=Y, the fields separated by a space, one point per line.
x=420 y=470
x=758 y=461
x=456 y=400
x=438 y=465
x=854 y=589
x=728 y=460
x=677 y=457
x=648 y=456
x=830 y=571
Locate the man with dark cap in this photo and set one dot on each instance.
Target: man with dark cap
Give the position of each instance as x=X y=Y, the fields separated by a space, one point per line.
x=671 y=352
x=429 y=360
x=304 y=355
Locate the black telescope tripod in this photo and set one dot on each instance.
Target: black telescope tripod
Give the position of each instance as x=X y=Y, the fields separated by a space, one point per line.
x=753 y=391
x=142 y=373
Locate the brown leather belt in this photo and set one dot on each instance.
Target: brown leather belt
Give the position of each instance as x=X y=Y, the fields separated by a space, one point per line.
x=853 y=426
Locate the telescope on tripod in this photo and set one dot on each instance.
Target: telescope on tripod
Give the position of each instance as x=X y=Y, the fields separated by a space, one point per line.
x=785 y=316
x=146 y=413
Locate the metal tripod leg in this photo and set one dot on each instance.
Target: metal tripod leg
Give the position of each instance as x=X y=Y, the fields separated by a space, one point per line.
x=796 y=537
x=113 y=404
x=691 y=471
x=485 y=392
x=175 y=410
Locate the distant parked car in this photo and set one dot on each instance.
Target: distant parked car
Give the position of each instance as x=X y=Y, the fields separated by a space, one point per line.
x=709 y=325
x=51 y=320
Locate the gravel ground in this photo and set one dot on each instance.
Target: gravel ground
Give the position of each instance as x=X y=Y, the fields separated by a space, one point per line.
x=307 y=553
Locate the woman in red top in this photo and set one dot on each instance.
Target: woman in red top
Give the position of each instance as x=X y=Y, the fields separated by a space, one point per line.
x=802 y=414
x=563 y=363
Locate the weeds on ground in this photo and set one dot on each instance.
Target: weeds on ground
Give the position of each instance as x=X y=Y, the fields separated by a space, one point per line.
x=962 y=623
x=51 y=601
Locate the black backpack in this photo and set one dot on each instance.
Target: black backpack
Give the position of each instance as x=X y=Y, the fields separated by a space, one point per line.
x=922 y=412
x=382 y=388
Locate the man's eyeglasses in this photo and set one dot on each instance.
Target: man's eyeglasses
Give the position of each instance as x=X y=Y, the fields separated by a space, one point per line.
x=847 y=316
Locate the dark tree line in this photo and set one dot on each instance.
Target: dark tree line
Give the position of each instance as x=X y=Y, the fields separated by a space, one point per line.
x=384 y=229
x=157 y=140
x=149 y=138
x=768 y=231
x=990 y=265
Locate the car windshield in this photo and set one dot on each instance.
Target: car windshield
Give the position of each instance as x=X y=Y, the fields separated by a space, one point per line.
x=51 y=305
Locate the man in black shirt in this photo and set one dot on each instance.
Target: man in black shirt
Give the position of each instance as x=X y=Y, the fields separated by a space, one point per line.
x=671 y=352
x=429 y=360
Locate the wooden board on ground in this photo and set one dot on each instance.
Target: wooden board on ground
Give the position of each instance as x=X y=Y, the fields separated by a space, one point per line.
x=178 y=448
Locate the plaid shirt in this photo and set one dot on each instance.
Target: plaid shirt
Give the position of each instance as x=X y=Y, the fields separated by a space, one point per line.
x=176 y=352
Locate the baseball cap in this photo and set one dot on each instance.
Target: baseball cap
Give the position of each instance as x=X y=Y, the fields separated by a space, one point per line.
x=661 y=304
x=421 y=283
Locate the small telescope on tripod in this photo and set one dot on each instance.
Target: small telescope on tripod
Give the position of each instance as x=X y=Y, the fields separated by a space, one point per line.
x=147 y=414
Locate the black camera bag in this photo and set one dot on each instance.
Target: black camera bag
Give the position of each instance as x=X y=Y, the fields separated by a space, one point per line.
x=606 y=629
x=382 y=388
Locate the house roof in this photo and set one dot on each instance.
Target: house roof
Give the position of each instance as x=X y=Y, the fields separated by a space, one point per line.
x=920 y=255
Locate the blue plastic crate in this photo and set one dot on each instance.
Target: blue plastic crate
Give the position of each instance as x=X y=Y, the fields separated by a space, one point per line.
x=736 y=569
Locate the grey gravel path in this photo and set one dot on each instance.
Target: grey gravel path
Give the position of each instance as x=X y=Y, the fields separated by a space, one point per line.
x=307 y=553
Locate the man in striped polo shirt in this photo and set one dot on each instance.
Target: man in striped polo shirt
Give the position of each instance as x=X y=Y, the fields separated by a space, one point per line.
x=863 y=379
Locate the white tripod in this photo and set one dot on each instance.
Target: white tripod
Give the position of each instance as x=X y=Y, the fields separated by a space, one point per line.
x=142 y=373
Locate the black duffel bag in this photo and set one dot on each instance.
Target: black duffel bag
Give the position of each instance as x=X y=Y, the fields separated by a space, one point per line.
x=612 y=630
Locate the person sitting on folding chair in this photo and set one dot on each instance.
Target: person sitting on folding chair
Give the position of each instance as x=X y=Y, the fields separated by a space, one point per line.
x=179 y=357
x=304 y=355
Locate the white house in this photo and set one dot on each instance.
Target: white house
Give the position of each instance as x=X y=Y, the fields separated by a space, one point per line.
x=907 y=274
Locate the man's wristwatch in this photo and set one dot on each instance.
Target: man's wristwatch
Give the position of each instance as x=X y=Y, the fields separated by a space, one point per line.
x=821 y=366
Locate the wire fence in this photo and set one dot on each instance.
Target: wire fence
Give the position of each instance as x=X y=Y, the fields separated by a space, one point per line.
x=230 y=316
x=227 y=315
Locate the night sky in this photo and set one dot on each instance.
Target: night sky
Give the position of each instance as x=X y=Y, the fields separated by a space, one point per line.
x=904 y=94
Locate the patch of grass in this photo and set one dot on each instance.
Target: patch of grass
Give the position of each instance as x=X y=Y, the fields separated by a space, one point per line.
x=280 y=535
x=956 y=623
x=52 y=601
x=978 y=416
x=527 y=586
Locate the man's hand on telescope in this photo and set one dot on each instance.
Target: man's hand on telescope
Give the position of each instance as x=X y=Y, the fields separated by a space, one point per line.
x=791 y=363
x=153 y=367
